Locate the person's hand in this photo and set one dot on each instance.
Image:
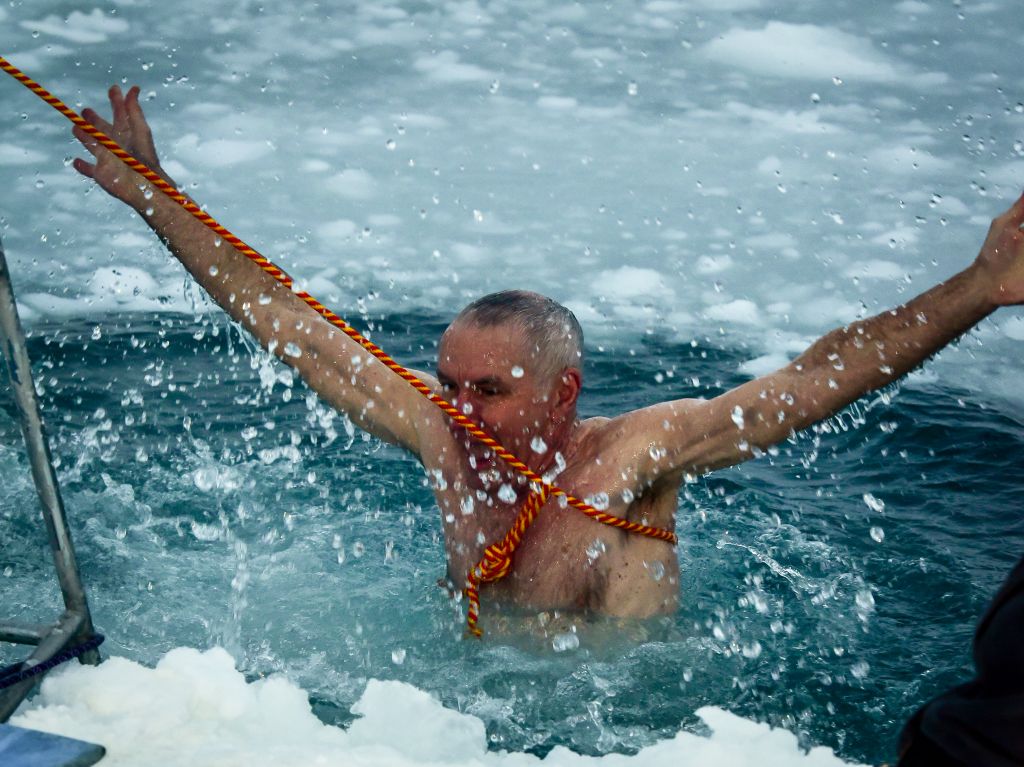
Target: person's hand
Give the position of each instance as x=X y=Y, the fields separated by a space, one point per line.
x=1001 y=260
x=132 y=132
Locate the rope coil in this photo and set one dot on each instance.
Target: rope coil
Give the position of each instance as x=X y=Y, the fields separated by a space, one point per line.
x=538 y=484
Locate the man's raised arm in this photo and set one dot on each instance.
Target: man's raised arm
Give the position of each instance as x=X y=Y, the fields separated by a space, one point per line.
x=337 y=368
x=697 y=436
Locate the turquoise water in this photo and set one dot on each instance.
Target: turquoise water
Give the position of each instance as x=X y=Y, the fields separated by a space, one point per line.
x=215 y=501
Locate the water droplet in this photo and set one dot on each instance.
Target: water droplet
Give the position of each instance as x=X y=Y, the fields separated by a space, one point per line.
x=292 y=349
x=478 y=216
x=599 y=501
x=358 y=549
x=875 y=504
x=860 y=669
x=97 y=334
x=390 y=144
x=628 y=496
x=40 y=183
x=466 y=504
x=517 y=372
x=398 y=656
x=263 y=299
x=877 y=534
x=538 y=445
x=217 y=241
x=632 y=89
x=865 y=600
x=214 y=270
x=495 y=86
x=751 y=650
x=737 y=416
x=656 y=570
x=506 y=493
x=596 y=549
x=565 y=641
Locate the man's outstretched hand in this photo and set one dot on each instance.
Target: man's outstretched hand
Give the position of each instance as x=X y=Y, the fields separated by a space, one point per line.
x=1001 y=260
x=132 y=132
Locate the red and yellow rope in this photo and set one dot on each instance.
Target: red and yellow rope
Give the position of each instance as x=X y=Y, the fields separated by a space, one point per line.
x=501 y=552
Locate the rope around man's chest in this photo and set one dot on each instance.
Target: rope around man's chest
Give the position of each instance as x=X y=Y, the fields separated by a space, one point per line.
x=497 y=560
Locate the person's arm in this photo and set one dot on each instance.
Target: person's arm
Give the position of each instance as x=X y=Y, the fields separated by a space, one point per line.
x=336 y=367
x=697 y=435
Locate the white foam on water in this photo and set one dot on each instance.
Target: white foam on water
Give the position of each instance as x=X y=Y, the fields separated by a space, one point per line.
x=78 y=27
x=195 y=710
x=709 y=179
x=807 y=52
x=12 y=154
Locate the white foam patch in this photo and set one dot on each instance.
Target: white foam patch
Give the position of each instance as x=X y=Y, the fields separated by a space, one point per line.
x=876 y=269
x=12 y=154
x=194 y=708
x=904 y=159
x=739 y=311
x=763 y=365
x=337 y=230
x=445 y=67
x=131 y=240
x=713 y=264
x=352 y=183
x=220 y=153
x=807 y=52
x=630 y=282
x=78 y=27
x=37 y=58
x=557 y=102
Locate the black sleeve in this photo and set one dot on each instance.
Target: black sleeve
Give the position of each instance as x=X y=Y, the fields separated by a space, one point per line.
x=980 y=722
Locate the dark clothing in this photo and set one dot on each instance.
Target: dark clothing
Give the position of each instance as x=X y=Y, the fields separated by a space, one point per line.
x=980 y=723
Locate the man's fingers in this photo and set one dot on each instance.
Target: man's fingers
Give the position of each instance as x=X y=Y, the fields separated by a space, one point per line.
x=93 y=117
x=117 y=105
x=87 y=140
x=140 y=126
x=85 y=168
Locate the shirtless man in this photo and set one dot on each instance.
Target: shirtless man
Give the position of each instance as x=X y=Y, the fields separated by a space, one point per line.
x=512 y=363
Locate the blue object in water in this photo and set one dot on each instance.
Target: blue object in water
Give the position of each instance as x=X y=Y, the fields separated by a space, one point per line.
x=30 y=748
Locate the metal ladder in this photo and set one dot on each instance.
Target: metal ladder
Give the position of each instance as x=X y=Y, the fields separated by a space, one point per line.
x=75 y=624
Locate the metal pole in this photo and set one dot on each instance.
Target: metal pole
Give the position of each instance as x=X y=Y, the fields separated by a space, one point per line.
x=13 y=339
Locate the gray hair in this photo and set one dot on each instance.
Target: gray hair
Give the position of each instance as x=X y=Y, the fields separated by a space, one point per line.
x=552 y=332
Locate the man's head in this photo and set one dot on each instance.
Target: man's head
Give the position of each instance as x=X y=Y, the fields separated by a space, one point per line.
x=511 y=361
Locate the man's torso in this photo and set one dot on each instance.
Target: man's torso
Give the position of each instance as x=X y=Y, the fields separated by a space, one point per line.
x=566 y=560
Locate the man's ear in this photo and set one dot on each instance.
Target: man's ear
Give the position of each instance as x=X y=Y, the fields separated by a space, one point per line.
x=567 y=391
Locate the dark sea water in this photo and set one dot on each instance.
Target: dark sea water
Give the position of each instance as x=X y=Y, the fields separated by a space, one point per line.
x=830 y=587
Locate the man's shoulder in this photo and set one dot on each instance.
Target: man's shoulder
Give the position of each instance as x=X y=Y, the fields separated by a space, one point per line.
x=651 y=416
x=641 y=426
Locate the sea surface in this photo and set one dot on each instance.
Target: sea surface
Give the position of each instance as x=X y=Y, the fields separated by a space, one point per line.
x=829 y=589
x=709 y=184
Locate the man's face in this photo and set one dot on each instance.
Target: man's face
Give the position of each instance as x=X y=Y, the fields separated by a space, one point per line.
x=491 y=375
